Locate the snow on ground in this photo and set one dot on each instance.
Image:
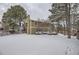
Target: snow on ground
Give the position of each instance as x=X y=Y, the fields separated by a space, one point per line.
x=23 y=44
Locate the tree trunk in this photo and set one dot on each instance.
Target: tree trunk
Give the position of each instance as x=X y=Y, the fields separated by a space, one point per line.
x=68 y=20
x=58 y=27
x=78 y=35
x=20 y=31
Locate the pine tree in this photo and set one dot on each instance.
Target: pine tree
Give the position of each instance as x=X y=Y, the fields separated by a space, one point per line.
x=13 y=17
x=60 y=11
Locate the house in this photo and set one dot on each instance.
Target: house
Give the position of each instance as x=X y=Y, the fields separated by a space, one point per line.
x=1 y=27
x=33 y=26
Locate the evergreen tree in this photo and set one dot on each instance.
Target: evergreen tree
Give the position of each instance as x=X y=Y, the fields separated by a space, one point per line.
x=13 y=17
x=60 y=11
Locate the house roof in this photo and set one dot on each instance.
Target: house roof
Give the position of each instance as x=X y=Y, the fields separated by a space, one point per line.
x=45 y=21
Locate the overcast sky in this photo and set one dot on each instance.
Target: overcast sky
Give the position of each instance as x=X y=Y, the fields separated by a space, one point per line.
x=35 y=10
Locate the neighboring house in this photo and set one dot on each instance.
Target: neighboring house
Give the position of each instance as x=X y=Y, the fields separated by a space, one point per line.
x=33 y=26
x=1 y=29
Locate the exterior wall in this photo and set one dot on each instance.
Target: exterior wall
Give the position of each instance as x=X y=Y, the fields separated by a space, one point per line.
x=34 y=26
x=39 y=26
x=27 y=25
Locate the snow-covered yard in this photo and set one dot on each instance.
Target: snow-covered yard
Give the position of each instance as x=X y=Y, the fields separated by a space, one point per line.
x=23 y=44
